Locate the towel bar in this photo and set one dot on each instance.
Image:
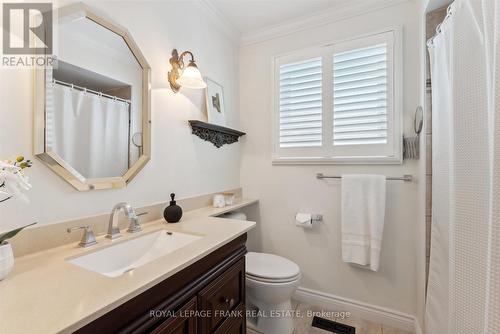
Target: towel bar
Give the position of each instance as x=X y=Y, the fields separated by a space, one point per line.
x=406 y=178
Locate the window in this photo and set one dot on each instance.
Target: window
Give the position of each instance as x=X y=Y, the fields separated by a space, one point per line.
x=340 y=103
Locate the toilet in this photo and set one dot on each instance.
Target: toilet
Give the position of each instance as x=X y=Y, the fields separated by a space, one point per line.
x=271 y=281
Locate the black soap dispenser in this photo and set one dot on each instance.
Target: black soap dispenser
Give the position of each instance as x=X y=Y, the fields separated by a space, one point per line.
x=173 y=212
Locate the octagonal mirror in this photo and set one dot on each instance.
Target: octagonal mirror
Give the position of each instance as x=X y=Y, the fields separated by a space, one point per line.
x=92 y=110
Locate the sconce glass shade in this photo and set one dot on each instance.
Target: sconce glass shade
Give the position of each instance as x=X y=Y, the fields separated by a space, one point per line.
x=191 y=77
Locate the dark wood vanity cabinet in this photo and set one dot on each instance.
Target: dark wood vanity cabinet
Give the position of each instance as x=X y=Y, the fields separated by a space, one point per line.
x=183 y=323
x=208 y=297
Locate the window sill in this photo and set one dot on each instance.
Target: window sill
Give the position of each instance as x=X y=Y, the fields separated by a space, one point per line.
x=338 y=161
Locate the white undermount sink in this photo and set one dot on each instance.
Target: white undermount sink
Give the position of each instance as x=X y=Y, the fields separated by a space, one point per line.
x=125 y=256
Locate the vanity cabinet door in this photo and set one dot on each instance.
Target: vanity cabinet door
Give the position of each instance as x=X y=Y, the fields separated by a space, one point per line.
x=238 y=327
x=233 y=325
x=223 y=298
x=184 y=321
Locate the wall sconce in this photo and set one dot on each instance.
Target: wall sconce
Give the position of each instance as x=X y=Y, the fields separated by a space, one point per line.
x=190 y=76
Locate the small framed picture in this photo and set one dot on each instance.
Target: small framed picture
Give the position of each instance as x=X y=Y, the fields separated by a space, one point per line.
x=215 y=103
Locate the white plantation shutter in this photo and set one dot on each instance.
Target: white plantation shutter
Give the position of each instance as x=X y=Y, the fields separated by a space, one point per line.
x=360 y=96
x=340 y=103
x=300 y=104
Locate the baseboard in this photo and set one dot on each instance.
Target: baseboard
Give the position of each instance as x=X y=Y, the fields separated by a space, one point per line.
x=418 y=329
x=363 y=310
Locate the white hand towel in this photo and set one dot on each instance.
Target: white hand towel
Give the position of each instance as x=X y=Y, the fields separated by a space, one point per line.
x=363 y=215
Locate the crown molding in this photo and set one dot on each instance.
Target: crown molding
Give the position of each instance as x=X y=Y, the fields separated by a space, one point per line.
x=354 y=8
x=222 y=23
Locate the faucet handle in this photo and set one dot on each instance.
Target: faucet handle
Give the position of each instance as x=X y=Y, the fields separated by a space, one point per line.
x=88 y=237
x=134 y=223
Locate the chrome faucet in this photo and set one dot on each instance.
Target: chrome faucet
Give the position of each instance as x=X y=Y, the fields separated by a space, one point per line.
x=113 y=229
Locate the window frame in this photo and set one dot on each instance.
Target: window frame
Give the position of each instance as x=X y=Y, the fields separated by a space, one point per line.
x=328 y=153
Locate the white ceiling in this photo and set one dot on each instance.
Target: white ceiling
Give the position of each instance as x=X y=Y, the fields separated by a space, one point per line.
x=253 y=15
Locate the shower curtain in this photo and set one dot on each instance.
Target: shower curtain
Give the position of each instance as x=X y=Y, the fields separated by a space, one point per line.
x=89 y=132
x=463 y=295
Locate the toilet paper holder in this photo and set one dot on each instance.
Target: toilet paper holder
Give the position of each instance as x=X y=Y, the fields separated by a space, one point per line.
x=315 y=218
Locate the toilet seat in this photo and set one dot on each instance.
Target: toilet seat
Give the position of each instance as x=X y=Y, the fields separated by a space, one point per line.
x=273 y=280
x=271 y=268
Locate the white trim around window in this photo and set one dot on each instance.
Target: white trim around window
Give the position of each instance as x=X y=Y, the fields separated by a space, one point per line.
x=340 y=103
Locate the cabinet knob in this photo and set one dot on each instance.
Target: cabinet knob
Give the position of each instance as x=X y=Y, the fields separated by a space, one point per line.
x=229 y=302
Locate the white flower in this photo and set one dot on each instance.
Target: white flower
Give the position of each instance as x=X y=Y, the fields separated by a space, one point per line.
x=5 y=164
x=14 y=181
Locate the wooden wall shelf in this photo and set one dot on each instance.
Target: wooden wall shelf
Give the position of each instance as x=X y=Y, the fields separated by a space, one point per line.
x=216 y=134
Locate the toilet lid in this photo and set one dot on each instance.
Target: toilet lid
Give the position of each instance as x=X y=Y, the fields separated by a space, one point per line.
x=270 y=266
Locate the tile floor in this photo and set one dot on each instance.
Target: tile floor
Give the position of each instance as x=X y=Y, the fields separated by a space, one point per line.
x=303 y=323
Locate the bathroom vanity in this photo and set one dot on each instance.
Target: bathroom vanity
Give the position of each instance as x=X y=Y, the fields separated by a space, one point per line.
x=206 y=297
x=196 y=288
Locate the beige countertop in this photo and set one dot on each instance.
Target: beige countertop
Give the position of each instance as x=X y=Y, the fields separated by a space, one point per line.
x=46 y=294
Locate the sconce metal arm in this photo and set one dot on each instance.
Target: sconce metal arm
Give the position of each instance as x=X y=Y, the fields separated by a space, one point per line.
x=181 y=57
x=178 y=60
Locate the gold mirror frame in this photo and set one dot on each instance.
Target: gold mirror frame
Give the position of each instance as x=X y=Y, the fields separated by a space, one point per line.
x=53 y=160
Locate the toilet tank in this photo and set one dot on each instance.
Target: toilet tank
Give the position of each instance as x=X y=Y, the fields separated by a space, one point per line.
x=254 y=240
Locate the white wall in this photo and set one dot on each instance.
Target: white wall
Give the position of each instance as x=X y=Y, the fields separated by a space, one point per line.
x=180 y=163
x=284 y=190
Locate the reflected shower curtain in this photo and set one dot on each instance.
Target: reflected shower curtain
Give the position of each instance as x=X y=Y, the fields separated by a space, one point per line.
x=89 y=132
x=463 y=295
